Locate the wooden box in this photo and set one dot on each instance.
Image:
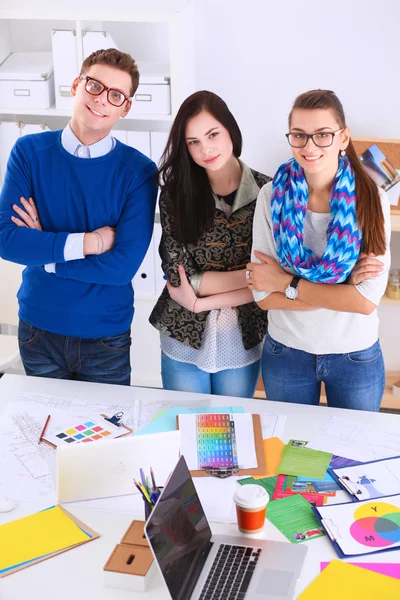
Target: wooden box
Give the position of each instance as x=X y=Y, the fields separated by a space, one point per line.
x=131 y=564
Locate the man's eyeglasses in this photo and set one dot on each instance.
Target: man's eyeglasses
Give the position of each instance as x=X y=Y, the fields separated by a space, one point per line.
x=322 y=139
x=95 y=88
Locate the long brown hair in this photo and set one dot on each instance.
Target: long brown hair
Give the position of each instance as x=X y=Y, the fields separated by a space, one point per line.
x=187 y=189
x=369 y=207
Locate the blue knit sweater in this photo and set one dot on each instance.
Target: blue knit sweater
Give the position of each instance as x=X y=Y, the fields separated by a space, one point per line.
x=92 y=297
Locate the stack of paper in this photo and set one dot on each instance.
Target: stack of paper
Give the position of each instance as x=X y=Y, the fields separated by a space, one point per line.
x=29 y=540
x=348 y=582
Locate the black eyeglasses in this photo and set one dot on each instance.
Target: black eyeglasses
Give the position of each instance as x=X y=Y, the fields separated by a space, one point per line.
x=95 y=88
x=322 y=139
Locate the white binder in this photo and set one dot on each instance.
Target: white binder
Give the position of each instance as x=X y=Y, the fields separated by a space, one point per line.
x=143 y=282
x=96 y=40
x=66 y=68
x=9 y=133
x=160 y=278
x=158 y=141
x=139 y=140
x=28 y=128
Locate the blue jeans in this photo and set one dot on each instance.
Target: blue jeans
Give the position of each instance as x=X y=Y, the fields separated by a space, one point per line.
x=352 y=380
x=185 y=377
x=101 y=360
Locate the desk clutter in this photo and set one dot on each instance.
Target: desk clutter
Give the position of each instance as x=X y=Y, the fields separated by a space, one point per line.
x=341 y=487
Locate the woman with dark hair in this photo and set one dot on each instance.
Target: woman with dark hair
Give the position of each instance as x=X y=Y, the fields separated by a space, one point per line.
x=211 y=329
x=311 y=224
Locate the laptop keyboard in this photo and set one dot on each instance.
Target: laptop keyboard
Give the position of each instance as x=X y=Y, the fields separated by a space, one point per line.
x=231 y=573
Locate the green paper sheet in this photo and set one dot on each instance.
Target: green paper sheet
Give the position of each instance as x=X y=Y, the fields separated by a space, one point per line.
x=293 y=516
x=268 y=483
x=301 y=461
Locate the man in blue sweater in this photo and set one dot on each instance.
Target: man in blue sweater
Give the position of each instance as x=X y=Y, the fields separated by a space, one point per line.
x=77 y=208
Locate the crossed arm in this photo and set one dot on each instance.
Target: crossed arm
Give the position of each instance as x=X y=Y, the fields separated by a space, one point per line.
x=121 y=251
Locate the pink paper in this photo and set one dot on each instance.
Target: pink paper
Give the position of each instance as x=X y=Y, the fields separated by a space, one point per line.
x=390 y=569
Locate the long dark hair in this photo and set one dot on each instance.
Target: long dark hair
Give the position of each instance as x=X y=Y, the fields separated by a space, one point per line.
x=185 y=184
x=369 y=208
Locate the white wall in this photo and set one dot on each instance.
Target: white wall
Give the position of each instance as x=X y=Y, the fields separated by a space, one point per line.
x=258 y=55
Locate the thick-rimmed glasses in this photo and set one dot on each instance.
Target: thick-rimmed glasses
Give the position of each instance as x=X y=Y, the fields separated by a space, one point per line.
x=322 y=139
x=95 y=88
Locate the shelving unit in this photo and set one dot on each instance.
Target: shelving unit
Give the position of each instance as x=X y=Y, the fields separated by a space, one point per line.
x=54 y=112
x=162 y=33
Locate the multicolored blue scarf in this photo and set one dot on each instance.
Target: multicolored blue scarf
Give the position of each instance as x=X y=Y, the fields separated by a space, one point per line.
x=288 y=208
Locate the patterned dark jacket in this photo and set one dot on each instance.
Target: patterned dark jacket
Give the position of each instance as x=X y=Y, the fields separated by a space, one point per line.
x=224 y=247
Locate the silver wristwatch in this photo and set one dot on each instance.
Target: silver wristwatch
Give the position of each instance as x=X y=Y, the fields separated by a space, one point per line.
x=291 y=291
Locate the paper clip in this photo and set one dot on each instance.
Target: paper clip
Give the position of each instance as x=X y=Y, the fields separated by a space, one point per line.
x=221 y=472
x=328 y=531
x=346 y=483
x=116 y=419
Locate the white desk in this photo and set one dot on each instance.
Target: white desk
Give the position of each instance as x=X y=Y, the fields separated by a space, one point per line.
x=79 y=572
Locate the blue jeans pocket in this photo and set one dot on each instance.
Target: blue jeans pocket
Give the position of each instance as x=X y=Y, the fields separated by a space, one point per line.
x=117 y=343
x=274 y=347
x=367 y=356
x=27 y=333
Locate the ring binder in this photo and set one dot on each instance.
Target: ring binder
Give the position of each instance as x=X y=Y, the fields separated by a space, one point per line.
x=346 y=483
x=328 y=531
x=221 y=472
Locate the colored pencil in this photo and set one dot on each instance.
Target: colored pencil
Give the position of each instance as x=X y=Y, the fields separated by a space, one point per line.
x=144 y=496
x=44 y=429
x=153 y=480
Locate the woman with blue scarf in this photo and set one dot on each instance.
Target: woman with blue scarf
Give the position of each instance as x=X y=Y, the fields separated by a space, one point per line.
x=318 y=218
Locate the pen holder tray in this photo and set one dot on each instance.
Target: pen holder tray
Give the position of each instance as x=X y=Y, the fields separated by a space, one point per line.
x=148 y=508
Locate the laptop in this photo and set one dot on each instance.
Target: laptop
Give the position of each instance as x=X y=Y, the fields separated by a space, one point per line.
x=107 y=467
x=197 y=565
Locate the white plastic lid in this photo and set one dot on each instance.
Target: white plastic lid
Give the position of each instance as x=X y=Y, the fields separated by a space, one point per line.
x=250 y=496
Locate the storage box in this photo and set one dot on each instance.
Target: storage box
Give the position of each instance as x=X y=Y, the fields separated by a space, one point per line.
x=96 y=40
x=131 y=565
x=27 y=80
x=66 y=68
x=153 y=95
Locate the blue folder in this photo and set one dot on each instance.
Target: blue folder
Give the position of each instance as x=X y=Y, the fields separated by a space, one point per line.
x=339 y=551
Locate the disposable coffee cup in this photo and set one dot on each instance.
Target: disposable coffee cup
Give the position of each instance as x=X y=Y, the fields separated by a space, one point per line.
x=251 y=503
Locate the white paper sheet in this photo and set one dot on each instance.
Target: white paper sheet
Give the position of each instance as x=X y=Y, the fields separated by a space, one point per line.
x=244 y=431
x=216 y=497
x=372 y=480
x=272 y=425
x=356 y=440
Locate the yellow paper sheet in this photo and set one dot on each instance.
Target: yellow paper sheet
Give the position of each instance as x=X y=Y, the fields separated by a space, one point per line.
x=348 y=582
x=273 y=453
x=39 y=534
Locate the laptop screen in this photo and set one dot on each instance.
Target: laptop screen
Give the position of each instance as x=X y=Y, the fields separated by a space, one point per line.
x=179 y=533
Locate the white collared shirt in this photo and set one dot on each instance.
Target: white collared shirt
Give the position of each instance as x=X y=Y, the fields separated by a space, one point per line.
x=73 y=249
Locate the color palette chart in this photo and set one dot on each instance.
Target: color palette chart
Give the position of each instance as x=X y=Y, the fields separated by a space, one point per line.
x=377 y=525
x=216 y=441
x=83 y=430
x=88 y=431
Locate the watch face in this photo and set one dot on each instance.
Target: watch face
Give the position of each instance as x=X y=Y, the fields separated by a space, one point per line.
x=291 y=292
